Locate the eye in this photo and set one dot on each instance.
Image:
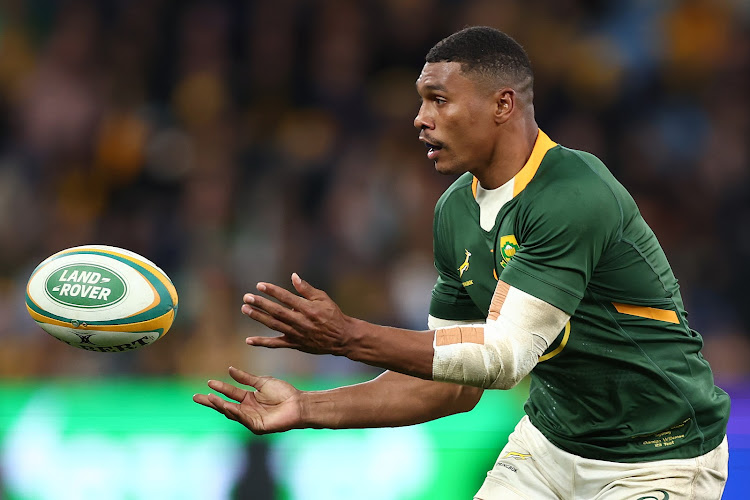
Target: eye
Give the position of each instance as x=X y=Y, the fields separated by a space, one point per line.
x=440 y=100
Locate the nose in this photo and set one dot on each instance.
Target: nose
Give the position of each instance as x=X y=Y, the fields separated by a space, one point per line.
x=422 y=120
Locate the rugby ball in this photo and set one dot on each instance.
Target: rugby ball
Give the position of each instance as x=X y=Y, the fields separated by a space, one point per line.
x=101 y=298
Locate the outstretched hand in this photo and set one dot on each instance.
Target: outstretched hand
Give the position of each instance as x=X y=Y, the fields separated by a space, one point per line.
x=309 y=322
x=274 y=406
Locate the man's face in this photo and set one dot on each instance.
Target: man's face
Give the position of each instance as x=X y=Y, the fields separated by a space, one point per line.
x=456 y=119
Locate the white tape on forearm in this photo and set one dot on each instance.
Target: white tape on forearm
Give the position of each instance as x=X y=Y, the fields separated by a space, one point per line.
x=513 y=342
x=434 y=323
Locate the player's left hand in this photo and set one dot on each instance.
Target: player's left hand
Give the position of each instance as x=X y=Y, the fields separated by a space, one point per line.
x=274 y=405
x=309 y=322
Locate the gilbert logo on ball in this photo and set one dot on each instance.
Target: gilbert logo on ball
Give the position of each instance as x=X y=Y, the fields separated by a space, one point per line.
x=101 y=298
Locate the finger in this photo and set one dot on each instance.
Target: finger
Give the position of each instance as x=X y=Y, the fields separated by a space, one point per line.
x=228 y=390
x=246 y=378
x=220 y=405
x=248 y=421
x=212 y=401
x=272 y=342
x=234 y=410
x=248 y=309
x=202 y=399
x=278 y=311
x=306 y=289
x=282 y=295
x=271 y=322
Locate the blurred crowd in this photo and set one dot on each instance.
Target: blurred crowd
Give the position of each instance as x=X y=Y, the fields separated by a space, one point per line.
x=237 y=141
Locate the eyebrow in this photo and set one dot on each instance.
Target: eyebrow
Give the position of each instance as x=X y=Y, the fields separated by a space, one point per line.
x=432 y=86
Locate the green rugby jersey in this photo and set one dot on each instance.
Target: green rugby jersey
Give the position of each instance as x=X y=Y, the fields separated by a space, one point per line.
x=625 y=380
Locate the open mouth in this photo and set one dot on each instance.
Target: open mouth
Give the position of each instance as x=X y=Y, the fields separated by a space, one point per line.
x=432 y=150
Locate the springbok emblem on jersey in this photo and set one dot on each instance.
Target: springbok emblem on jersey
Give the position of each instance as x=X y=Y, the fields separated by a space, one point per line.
x=465 y=265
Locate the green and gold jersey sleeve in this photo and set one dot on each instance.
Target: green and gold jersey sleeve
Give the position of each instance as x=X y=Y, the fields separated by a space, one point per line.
x=563 y=233
x=450 y=299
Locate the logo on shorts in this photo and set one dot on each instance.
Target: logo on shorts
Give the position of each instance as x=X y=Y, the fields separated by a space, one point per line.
x=652 y=497
x=507 y=466
x=518 y=456
x=508 y=248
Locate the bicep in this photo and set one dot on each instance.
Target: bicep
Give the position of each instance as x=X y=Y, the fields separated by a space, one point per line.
x=561 y=242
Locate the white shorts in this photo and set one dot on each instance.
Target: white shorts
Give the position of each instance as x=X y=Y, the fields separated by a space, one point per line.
x=532 y=468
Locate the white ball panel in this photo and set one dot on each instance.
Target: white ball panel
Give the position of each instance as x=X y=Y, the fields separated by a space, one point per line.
x=95 y=340
x=122 y=251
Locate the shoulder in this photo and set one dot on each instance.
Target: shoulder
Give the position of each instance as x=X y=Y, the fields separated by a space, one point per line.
x=574 y=177
x=564 y=166
x=574 y=188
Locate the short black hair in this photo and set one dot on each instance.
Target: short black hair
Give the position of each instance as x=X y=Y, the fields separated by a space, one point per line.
x=487 y=51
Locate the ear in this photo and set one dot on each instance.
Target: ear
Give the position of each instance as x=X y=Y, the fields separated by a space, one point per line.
x=505 y=103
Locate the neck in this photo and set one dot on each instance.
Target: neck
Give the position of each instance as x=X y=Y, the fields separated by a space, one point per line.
x=511 y=154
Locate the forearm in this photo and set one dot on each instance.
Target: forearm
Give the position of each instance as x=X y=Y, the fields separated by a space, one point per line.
x=390 y=400
x=404 y=351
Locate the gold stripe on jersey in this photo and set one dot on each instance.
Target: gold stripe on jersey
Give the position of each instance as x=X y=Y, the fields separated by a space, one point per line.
x=647 y=312
x=523 y=177
x=558 y=349
x=541 y=146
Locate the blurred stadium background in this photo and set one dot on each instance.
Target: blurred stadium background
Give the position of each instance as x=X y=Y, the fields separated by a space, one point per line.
x=238 y=141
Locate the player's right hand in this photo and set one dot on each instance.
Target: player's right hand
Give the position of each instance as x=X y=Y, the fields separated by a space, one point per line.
x=274 y=406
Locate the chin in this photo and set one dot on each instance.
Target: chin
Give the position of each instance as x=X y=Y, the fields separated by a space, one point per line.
x=448 y=168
